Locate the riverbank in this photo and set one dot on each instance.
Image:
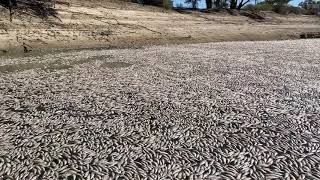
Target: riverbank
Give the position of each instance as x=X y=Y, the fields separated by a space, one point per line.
x=108 y=25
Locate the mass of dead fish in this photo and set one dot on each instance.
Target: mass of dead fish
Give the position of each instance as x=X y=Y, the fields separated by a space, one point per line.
x=245 y=110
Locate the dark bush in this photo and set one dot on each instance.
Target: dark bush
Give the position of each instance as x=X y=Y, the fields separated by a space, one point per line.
x=259 y=7
x=40 y=8
x=280 y=9
x=289 y=10
x=311 y=11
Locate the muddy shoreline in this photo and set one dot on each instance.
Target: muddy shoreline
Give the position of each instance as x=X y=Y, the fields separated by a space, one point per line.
x=130 y=43
x=87 y=25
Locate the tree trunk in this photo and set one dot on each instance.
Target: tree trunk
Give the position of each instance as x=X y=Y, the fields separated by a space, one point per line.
x=218 y=4
x=194 y=4
x=209 y=4
x=166 y=4
x=10 y=9
x=14 y=3
x=233 y=4
x=242 y=3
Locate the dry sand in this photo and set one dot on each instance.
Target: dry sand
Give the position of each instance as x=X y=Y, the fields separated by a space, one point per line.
x=87 y=24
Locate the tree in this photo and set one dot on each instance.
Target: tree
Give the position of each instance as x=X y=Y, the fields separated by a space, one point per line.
x=312 y=6
x=194 y=3
x=209 y=4
x=167 y=4
x=234 y=4
x=278 y=2
x=242 y=3
x=307 y=3
x=220 y=4
x=41 y=8
x=10 y=4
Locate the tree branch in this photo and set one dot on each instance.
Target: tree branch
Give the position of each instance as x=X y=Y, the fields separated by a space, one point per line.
x=241 y=4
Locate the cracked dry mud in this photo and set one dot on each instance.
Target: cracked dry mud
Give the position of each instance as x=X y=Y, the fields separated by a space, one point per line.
x=242 y=110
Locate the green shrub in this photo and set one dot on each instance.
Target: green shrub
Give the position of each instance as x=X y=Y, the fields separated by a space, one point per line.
x=296 y=10
x=280 y=9
x=259 y=7
x=289 y=10
x=311 y=9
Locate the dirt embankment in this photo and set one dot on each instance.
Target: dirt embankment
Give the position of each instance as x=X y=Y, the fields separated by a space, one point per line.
x=88 y=24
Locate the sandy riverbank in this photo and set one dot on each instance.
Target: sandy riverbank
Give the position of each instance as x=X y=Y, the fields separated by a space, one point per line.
x=109 y=24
